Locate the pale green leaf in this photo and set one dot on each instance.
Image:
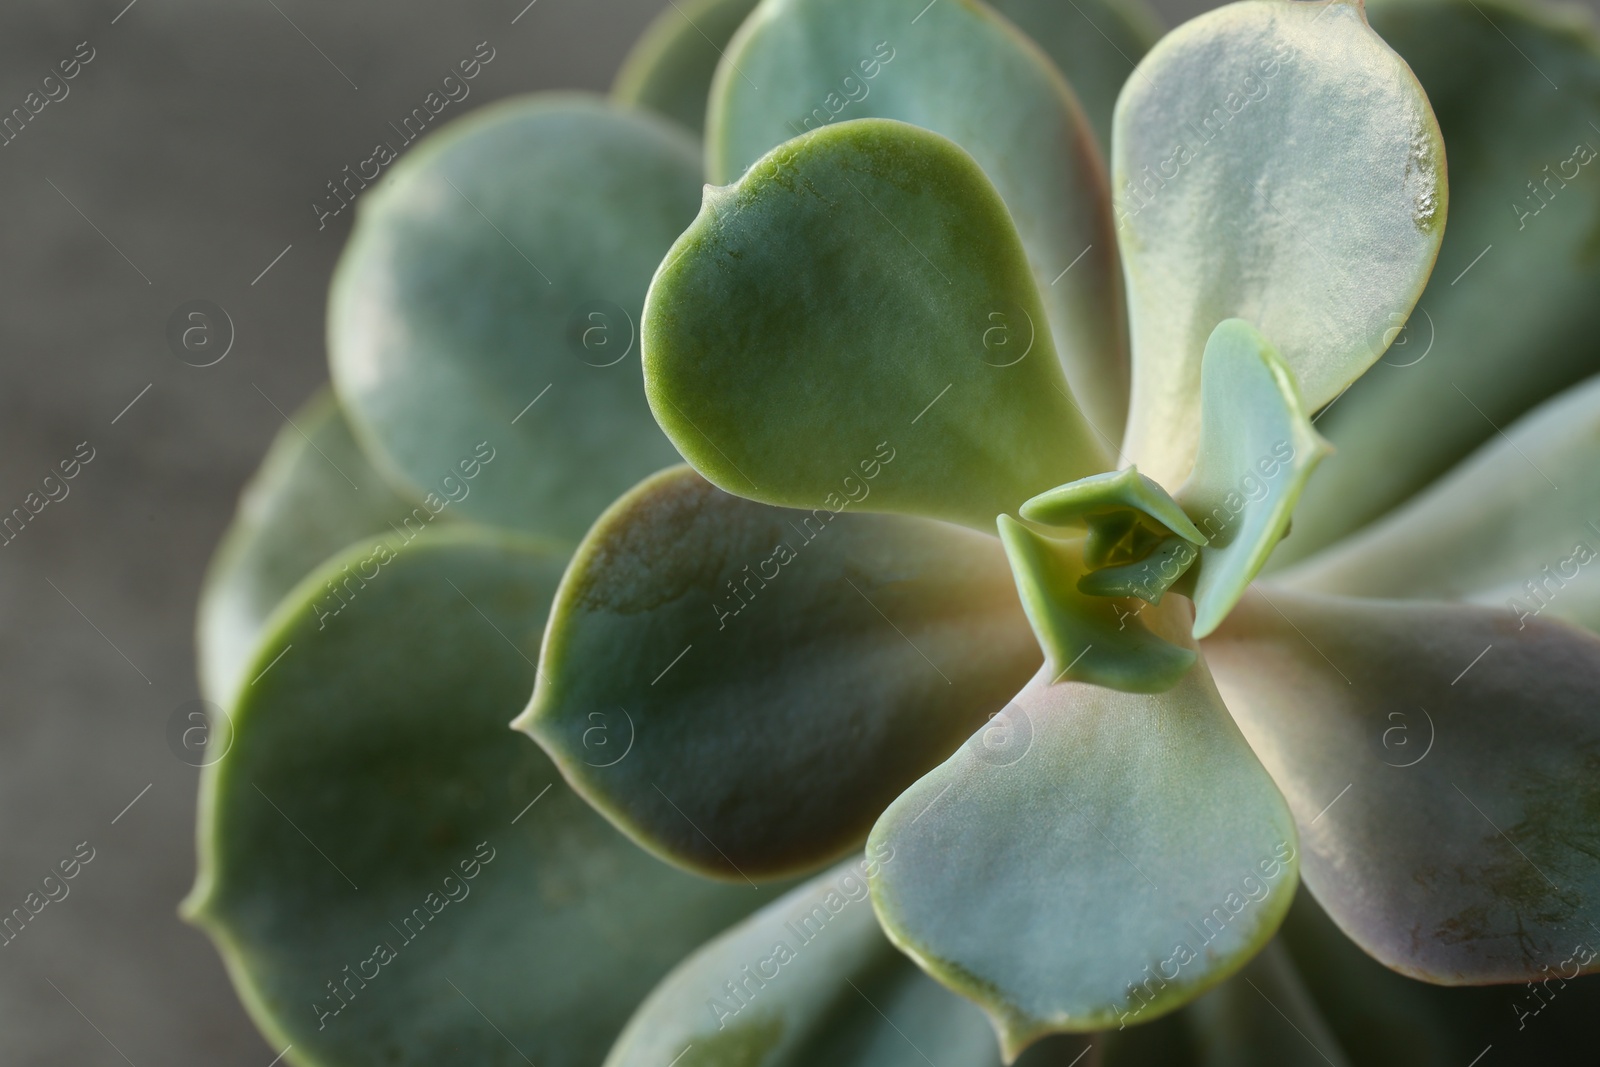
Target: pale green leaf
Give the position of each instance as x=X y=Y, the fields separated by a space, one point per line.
x=1128 y=854
x=1257 y=448
x=1273 y=161
x=487 y=305
x=669 y=68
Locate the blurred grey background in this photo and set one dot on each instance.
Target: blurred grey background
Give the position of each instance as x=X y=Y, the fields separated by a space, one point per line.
x=181 y=165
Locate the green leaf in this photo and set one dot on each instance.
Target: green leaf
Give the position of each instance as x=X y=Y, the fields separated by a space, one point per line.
x=314 y=494
x=1444 y=769
x=1513 y=526
x=832 y=306
x=374 y=797
x=1103 y=495
x=1257 y=449
x=669 y=69
x=1510 y=316
x=1055 y=882
x=810 y=980
x=1276 y=162
x=1095 y=43
x=487 y=301
x=743 y=688
x=802 y=65
x=1088 y=636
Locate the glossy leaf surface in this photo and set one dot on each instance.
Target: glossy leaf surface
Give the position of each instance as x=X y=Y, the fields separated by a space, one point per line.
x=314 y=494
x=1257 y=448
x=1274 y=162
x=1122 y=854
x=669 y=69
x=834 y=303
x=802 y=65
x=392 y=875
x=487 y=305
x=743 y=688
x=1443 y=766
x=1509 y=317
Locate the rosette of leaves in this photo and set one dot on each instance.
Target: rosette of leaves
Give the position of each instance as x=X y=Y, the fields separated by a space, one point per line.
x=996 y=400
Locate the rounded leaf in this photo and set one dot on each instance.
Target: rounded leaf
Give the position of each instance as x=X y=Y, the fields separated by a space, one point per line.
x=1276 y=162
x=835 y=303
x=393 y=876
x=669 y=69
x=743 y=688
x=488 y=303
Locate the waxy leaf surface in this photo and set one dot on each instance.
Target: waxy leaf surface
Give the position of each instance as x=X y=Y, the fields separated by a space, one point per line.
x=393 y=876
x=1118 y=856
x=809 y=980
x=836 y=301
x=488 y=304
x=744 y=688
x=1257 y=448
x=1515 y=526
x=1276 y=162
x=1443 y=765
x=1509 y=317
x=801 y=65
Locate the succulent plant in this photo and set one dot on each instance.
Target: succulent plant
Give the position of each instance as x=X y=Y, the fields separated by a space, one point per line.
x=1075 y=555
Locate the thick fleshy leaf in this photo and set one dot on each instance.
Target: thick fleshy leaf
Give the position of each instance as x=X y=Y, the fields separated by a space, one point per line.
x=314 y=494
x=487 y=302
x=1121 y=856
x=1510 y=316
x=817 y=62
x=1100 y=496
x=1087 y=635
x=833 y=306
x=812 y=980
x=1257 y=448
x=743 y=688
x=1384 y=1019
x=394 y=877
x=1443 y=766
x=1514 y=526
x=1095 y=43
x=669 y=69
x=1276 y=162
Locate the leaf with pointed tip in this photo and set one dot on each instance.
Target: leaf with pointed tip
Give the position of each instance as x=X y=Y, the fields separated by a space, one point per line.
x=374 y=797
x=1129 y=855
x=1094 y=43
x=1088 y=636
x=820 y=62
x=810 y=980
x=743 y=688
x=1257 y=448
x=504 y=258
x=1275 y=162
x=314 y=494
x=669 y=68
x=1443 y=765
x=1510 y=316
x=1513 y=526
x=833 y=306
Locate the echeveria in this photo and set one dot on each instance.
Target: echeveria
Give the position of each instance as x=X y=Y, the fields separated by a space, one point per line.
x=984 y=593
